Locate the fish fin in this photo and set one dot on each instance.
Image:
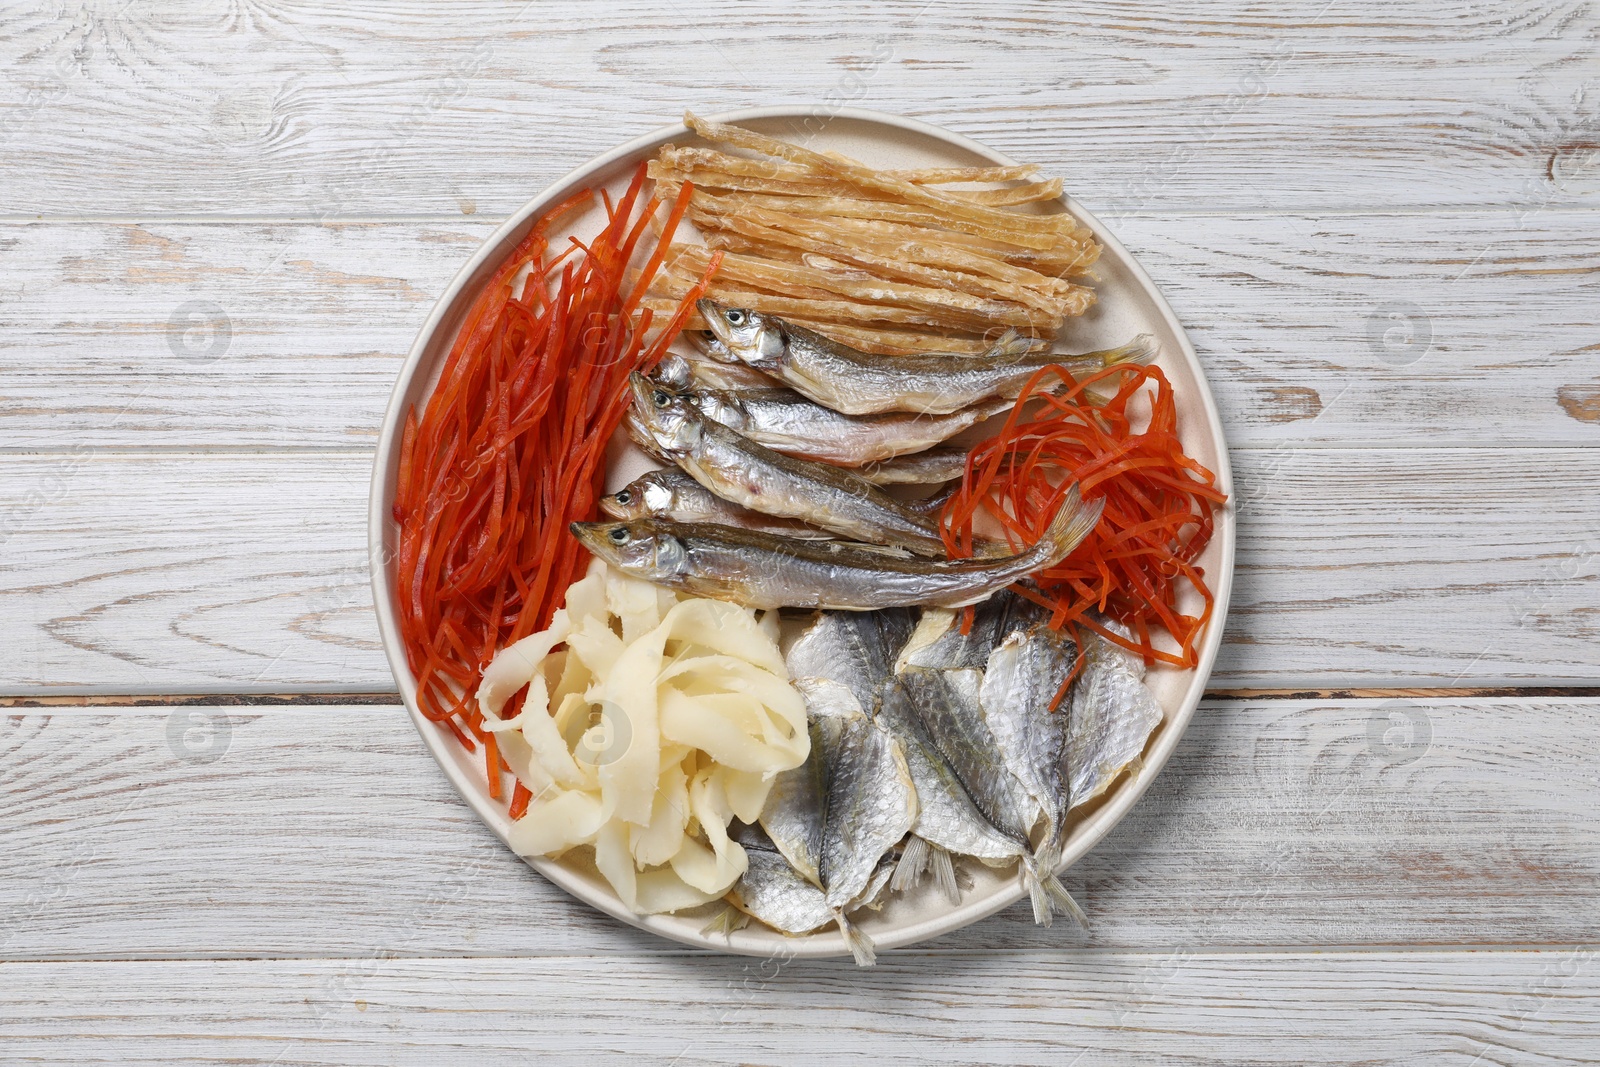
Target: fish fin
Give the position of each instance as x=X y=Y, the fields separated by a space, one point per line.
x=1010 y=345
x=859 y=944
x=928 y=505
x=913 y=864
x=944 y=873
x=1048 y=895
x=1075 y=520
x=1141 y=350
x=725 y=922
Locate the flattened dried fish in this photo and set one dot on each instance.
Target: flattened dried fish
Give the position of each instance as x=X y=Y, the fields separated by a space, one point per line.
x=855 y=649
x=948 y=704
x=947 y=818
x=1020 y=682
x=871 y=807
x=1113 y=714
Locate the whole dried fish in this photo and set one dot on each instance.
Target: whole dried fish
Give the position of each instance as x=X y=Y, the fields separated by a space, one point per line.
x=671 y=494
x=856 y=649
x=1113 y=714
x=858 y=383
x=787 y=422
x=762 y=571
x=753 y=476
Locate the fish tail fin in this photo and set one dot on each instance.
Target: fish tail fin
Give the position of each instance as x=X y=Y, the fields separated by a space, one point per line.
x=930 y=505
x=1048 y=895
x=944 y=873
x=1074 y=521
x=725 y=922
x=859 y=944
x=911 y=866
x=1141 y=350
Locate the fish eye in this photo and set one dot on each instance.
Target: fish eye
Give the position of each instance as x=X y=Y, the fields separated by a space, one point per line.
x=662 y=399
x=624 y=497
x=619 y=534
x=735 y=317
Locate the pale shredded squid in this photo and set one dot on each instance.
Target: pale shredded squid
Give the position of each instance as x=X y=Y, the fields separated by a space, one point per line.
x=651 y=720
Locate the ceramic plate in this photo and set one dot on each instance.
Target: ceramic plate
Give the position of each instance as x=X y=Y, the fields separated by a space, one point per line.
x=1128 y=304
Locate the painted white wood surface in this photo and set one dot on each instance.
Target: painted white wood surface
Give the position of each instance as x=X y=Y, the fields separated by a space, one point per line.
x=362 y=110
x=1376 y=220
x=201 y=831
x=1024 y=1008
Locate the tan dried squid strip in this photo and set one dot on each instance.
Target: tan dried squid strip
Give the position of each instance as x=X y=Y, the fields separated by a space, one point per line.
x=944 y=175
x=714 y=166
x=867 y=178
x=1049 y=301
x=865 y=218
x=959 y=306
x=929 y=250
x=1015 y=231
x=834 y=309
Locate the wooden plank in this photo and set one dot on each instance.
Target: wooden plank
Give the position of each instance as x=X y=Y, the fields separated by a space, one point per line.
x=319 y=112
x=228 y=335
x=194 y=832
x=1371 y=1008
x=236 y=573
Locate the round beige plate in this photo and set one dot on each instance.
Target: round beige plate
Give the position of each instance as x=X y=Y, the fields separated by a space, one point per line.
x=1128 y=304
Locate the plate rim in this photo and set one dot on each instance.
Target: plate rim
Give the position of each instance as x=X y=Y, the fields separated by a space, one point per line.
x=1126 y=793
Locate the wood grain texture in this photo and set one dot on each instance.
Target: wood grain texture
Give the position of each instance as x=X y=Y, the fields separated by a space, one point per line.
x=135 y=573
x=1316 y=331
x=1379 y=1008
x=322 y=110
x=192 y=832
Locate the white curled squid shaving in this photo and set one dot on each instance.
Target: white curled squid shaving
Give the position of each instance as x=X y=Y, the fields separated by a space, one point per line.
x=650 y=722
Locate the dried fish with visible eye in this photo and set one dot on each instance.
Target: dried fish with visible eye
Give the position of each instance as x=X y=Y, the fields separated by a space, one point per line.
x=857 y=383
x=762 y=571
x=672 y=494
x=680 y=372
x=748 y=474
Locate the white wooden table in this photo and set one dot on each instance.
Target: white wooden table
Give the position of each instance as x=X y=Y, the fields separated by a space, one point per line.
x=222 y=226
